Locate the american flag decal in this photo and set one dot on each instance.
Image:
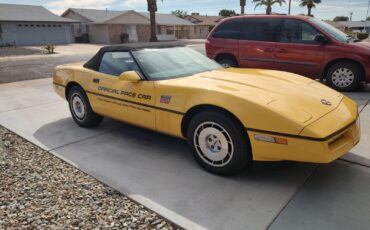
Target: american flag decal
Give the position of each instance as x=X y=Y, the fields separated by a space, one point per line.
x=165 y=99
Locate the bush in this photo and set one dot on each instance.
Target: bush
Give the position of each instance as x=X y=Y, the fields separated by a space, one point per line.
x=84 y=38
x=362 y=36
x=49 y=48
x=124 y=37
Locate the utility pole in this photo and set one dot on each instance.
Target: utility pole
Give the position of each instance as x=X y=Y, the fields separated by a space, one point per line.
x=290 y=3
x=350 y=16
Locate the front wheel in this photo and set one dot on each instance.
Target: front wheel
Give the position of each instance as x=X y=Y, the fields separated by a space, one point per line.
x=344 y=76
x=219 y=143
x=81 y=110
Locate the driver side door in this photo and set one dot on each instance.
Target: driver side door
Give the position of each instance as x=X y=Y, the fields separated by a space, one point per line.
x=131 y=102
x=297 y=51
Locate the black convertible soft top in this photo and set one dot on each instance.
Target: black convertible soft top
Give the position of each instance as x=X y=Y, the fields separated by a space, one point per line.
x=94 y=62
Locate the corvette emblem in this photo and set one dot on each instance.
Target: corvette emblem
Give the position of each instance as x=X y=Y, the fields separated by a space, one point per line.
x=325 y=102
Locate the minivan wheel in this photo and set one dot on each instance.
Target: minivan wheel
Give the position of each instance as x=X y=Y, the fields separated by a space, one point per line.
x=81 y=110
x=218 y=142
x=344 y=76
x=227 y=62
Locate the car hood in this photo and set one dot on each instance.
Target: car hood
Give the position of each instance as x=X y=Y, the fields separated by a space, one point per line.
x=299 y=98
x=361 y=44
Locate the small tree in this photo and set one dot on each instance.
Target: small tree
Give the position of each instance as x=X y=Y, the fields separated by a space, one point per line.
x=180 y=13
x=227 y=13
x=340 y=19
x=368 y=18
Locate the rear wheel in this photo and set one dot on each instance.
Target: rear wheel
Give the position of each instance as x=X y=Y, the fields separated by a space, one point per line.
x=80 y=108
x=227 y=62
x=344 y=76
x=219 y=144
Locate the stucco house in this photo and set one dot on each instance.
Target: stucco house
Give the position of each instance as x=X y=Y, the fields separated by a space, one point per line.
x=357 y=26
x=106 y=26
x=32 y=25
x=203 y=24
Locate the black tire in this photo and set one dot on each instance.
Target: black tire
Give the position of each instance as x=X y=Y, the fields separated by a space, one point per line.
x=339 y=76
x=227 y=62
x=89 y=118
x=241 y=156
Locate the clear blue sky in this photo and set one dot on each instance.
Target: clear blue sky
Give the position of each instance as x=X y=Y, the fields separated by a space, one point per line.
x=328 y=9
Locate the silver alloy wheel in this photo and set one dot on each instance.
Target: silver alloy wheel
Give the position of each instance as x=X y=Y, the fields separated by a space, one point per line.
x=78 y=107
x=213 y=144
x=342 y=77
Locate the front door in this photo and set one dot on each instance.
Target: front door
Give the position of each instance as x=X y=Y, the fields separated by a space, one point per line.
x=131 y=102
x=297 y=51
x=257 y=43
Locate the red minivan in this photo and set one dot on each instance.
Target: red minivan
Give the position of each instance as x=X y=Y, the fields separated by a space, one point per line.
x=298 y=44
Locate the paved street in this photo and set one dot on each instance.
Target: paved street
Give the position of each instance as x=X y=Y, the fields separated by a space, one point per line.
x=159 y=172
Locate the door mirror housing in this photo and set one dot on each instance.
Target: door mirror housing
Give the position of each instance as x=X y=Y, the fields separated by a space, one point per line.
x=320 y=38
x=131 y=76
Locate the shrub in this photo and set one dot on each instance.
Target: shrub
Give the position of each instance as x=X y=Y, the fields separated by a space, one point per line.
x=84 y=38
x=362 y=36
x=124 y=37
x=49 y=48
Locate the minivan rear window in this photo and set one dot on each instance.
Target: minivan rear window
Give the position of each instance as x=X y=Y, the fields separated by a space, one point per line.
x=229 y=29
x=263 y=29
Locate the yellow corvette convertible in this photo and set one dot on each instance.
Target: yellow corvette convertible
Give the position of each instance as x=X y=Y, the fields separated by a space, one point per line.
x=229 y=116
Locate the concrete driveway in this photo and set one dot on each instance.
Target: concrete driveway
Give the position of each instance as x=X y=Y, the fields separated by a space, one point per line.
x=159 y=172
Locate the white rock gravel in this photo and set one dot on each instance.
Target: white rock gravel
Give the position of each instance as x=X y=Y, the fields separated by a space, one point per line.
x=40 y=191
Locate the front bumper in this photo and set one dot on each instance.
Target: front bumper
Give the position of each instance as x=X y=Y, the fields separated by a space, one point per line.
x=305 y=150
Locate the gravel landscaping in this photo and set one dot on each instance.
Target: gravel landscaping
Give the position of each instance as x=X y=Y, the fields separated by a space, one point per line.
x=38 y=191
x=17 y=51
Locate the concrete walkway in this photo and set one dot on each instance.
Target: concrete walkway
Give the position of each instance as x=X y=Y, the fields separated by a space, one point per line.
x=159 y=172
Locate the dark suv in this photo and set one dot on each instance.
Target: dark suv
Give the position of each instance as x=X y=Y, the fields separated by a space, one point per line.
x=298 y=44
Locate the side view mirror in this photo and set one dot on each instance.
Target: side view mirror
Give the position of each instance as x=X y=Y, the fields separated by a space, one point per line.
x=320 y=38
x=131 y=76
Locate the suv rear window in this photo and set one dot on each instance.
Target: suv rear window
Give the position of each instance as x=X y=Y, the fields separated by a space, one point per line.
x=262 y=29
x=229 y=29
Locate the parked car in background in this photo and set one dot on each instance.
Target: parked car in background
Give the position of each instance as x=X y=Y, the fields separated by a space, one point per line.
x=298 y=44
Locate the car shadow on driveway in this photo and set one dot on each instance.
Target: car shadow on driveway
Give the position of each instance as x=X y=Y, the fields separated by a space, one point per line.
x=159 y=171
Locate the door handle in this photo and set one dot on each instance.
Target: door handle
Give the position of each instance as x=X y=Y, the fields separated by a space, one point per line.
x=96 y=80
x=282 y=51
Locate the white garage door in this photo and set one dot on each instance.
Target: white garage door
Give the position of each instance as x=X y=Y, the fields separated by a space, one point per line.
x=41 y=33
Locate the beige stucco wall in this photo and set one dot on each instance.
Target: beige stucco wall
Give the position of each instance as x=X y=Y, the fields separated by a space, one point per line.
x=98 y=34
x=78 y=28
x=199 y=32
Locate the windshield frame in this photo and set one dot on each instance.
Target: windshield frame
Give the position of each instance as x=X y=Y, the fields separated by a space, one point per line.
x=147 y=76
x=330 y=30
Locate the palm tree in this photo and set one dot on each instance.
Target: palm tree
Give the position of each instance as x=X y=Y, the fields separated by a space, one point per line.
x=152 y=8
x=268 y=4
x=242 y=6
x=310 y=4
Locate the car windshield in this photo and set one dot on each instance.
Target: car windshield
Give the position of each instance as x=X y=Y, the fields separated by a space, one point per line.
x=167 y=63
x=334 y=32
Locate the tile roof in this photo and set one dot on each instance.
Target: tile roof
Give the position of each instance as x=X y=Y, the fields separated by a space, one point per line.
x=12 y=12
x=204 y=19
